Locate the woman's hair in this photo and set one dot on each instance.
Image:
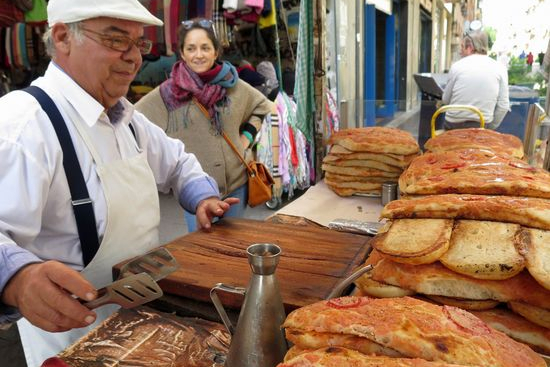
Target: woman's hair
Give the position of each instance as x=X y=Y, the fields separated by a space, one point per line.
x=74 y=28
x=478 y=40
x=198 y=23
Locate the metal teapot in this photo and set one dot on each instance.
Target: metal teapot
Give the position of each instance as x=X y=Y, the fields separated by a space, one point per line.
x=258 y=340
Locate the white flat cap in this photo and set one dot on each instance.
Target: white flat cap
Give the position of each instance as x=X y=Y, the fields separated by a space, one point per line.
x=69 y=11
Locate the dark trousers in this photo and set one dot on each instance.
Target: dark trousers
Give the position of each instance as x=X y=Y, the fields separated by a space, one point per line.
x=11 y=350
x=460 y=125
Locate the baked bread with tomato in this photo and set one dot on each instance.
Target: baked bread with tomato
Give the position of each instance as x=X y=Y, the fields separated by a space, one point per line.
x=414 y=329
x=473 y=171
x=476 y=138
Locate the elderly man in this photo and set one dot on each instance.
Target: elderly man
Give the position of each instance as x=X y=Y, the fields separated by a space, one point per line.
x=81 y=171
x=479 y=81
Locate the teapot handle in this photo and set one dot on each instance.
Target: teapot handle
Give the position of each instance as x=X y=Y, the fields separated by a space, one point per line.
x=340 y=287
x=219 y=306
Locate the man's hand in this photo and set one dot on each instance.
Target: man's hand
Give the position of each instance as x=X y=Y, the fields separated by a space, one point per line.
x=210 y=208
x=43 y=293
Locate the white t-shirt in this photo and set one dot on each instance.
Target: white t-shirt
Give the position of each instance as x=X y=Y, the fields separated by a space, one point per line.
x=479 y=81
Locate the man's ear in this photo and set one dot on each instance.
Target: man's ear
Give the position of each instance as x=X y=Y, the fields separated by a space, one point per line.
x=61 y=38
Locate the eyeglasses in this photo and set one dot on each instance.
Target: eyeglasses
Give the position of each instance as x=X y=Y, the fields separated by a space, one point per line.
x=121 y=43
x=203 y=23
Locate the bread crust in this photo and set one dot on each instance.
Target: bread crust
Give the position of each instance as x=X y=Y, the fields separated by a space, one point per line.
x=315 y=340
x=414 y=241
x=473 y=171
x=502 y=144
x=518 y=328
x=535 y=247
x=376 y=139
x=417 y=329
x=340 y=357
x=527 y=211
x=465 y=304
x=437 y=279
x=484 y=250
x=534 y=314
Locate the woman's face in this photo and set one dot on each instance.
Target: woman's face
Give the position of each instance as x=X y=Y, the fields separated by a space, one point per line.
x=198 y=51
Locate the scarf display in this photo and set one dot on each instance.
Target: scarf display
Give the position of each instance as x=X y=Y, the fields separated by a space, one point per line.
x=184 y=84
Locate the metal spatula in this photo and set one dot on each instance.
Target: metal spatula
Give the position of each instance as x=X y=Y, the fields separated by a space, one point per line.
x=128 y=292
x=157 y=263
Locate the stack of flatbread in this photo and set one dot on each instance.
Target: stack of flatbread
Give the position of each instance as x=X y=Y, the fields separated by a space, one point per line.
x=364 y=331
x=472 y=231
x=361 y=159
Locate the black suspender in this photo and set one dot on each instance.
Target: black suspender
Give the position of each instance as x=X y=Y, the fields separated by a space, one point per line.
x=82 y=204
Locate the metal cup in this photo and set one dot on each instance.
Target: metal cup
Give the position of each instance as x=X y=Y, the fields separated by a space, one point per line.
x=389 y=192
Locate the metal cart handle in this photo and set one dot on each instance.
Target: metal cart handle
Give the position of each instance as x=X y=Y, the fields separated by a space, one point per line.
x=456 y=107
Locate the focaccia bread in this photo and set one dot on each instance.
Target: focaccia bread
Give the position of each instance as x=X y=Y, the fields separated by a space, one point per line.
x=414 y=241
x=376 y=139
x=534 y=314
x=473 y=171
x=465 y=304
x=315 y=340
x=502 y=144
x=339 y=152
x=530 y=212
x=342 y=357
x=535 y=247
x=484 y=249
x=437 y=279
x=367 y=163
x=518 y=328
x=358 y=171
x=416 y=329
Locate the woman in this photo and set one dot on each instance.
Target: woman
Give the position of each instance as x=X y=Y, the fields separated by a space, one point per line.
x=202 y=98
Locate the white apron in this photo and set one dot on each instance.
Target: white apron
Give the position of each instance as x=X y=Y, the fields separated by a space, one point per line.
x=133 y=217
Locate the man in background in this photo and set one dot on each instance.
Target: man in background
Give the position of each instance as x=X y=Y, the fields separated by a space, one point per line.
x=479 y=81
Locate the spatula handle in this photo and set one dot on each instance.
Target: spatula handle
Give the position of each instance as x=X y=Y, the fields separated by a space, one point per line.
x=102 y=299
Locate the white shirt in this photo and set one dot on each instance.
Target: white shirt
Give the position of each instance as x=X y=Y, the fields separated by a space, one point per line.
x=479 y=81
x=36 y=217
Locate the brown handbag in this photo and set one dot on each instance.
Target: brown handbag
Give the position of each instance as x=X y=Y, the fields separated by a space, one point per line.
x=259 y=178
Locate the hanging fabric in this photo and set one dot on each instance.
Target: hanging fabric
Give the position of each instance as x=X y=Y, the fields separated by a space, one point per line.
x=38 y=13
x=303 y=87
x=10 y=14
x=220 y=25
x=168 y=23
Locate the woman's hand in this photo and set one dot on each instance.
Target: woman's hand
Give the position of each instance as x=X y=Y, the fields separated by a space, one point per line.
x=210 y=208
x=244 y=141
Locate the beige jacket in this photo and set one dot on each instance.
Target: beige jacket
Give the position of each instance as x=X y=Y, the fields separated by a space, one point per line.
x=188 y=123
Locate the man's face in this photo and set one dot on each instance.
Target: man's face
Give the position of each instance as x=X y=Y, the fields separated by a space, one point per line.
x=104 y=73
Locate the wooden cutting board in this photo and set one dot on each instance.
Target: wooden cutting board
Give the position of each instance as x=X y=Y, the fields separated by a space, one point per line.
x=313 y=260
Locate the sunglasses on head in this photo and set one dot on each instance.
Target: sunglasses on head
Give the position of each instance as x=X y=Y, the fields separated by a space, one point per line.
x=203 y=23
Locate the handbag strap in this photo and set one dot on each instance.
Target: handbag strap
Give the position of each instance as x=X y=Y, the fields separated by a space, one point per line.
x=82 y=203
x=205 y=112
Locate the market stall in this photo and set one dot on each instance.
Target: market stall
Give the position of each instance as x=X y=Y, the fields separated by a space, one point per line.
x=409 y=259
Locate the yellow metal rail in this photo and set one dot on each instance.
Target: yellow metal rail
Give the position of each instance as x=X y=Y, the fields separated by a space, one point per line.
x=460 y=107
